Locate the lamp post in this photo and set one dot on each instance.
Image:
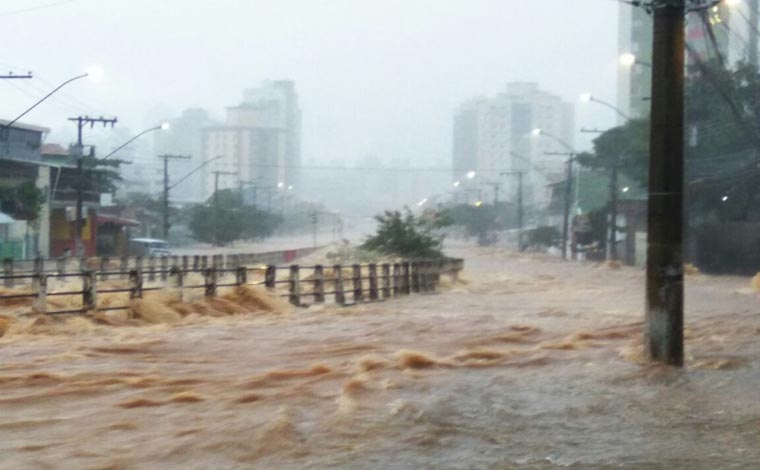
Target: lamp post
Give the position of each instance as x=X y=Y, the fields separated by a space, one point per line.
x=588 y=98
x=94 y=73
x=612 y=233
x=568 y=185
x=163 y=127
x=629 y=60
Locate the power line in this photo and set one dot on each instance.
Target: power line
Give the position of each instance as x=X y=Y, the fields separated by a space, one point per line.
x=38 y=7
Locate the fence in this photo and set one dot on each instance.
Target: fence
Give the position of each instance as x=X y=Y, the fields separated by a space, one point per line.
x=301 y=285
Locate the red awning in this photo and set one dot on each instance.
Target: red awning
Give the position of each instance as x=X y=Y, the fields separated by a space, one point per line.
x=101 y=219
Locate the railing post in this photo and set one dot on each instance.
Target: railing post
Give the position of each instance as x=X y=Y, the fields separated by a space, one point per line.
x=139 y=265
x=204 y=262
x=39 y=265
x=270 y=277
x=164 y=267
x=295 y=285
x=60 y=265
x=124 y=267
x=104 y=262
x=196 y=262
x=8 y=271
x=176 y=281
x=89 y=291
x=397 y=285
x=39 y=284
x=340 y=295
x=185 y=263
x=386 y=276
x=358 y=284
x=241 y=275
x=422 y=275
x=135 y=284
x=82 y=264
x=415 y=277
x=436 y=275
x=405 y=285
x=373 y=293
x=209 y=280
x=152 y=268
x=319 y=284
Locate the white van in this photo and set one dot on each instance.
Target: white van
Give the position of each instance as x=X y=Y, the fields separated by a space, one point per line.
x=148 y=247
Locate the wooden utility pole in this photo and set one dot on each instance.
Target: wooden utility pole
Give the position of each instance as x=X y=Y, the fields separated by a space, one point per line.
x=314 y=222
x=664 y=289
x=520 y=210
x=752 y=45
x=81 y=122
x=166 y=158
x=568 y=198
x=612 y=242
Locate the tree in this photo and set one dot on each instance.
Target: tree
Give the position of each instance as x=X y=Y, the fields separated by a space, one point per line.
x=626 y=147
x=225 y=218
x=405 y=236
x=481 y=220
x=23 y=201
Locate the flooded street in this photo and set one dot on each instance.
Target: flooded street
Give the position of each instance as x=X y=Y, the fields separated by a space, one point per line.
x=526 y=363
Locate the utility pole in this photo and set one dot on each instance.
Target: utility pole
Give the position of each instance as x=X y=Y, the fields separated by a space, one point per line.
x=568 y=199
x=520 y=212
x=314 y=220
x=664 y=288
x=81 y=122
x=612 y=231
x=612 y=242
x=496 y=188
x=753 y=32
x=166 y=158
x=216 y=201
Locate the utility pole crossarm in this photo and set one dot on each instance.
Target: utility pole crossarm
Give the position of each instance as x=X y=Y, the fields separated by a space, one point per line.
x=13 y=76
x=81 y=122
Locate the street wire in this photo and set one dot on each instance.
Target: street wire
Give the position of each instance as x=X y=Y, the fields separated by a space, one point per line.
x=36 y=8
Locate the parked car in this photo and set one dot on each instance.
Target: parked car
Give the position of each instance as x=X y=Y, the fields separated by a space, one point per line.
x=148 y=247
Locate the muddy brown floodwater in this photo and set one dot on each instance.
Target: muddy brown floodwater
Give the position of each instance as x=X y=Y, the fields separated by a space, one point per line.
x=531 y=363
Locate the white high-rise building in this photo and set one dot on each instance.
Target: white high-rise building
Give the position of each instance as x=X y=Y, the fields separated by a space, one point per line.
x=493 y=135
x=259 y=143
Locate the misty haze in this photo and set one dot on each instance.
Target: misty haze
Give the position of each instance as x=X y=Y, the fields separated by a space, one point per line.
x=485 y=234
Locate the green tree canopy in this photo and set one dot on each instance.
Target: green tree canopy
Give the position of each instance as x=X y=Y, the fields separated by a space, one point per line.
x=405 y=236
x=225 y=218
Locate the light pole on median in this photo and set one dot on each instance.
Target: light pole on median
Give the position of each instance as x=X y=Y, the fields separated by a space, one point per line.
x=612 y=233
x=568 y=185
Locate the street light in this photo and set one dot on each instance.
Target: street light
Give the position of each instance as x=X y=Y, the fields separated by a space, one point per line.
x=456 y=184
x=94 y=73
x=588 y=98
x=629 y=60
x=568 y=190
x=540 y=132
x=471 y=175
x=163 y=127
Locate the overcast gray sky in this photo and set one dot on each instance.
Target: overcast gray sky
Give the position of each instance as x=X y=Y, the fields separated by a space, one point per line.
x=379 y=77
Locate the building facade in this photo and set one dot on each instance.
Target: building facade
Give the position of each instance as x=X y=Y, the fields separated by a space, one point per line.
x=259 y=143
x=721 y=32
x=493 y=141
